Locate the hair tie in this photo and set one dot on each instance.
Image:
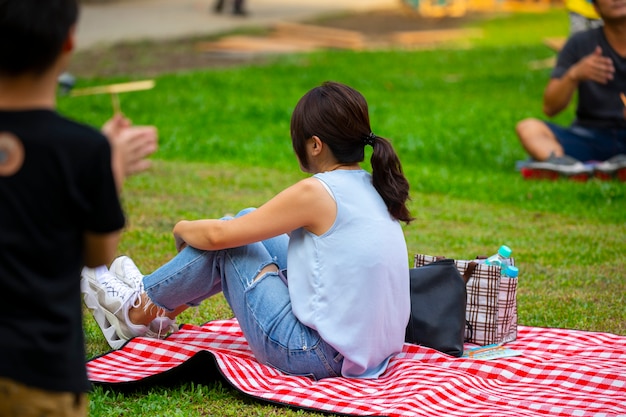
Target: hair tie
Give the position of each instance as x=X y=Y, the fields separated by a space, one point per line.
x=370 y=139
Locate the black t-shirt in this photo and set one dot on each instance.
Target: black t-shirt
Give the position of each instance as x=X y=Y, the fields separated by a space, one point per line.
x=63 y=188
x=599 y=105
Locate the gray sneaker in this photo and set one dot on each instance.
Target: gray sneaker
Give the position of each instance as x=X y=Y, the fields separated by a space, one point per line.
x=612 y=168
x=109 y=299
x=556 y=167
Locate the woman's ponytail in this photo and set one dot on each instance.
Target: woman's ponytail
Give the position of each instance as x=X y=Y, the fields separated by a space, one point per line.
x=388 y=178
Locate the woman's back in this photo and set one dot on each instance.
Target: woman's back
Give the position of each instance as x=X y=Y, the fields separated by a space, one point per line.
x=351 y=284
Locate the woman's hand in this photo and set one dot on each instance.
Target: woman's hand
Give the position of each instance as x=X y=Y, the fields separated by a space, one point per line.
x=179 y=241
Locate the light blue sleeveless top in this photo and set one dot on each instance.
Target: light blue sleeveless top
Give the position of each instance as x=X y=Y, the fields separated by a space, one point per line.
x=351 y=284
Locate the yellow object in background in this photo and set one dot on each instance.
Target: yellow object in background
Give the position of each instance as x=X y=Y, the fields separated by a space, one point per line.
x=582 y=7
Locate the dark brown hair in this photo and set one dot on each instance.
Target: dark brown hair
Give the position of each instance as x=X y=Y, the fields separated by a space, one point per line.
x=338 y=115
x=32 y=33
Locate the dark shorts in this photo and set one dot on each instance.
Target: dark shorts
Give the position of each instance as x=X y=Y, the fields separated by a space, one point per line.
x=590 y=144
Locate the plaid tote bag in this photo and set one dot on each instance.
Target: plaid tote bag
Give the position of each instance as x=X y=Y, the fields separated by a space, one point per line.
x=491 y=308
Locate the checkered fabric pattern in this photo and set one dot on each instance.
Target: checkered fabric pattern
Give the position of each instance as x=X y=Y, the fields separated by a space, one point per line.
x=491 y=302
x=560 y=373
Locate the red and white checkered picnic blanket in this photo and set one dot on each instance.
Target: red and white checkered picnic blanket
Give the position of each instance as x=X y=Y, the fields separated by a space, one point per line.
x=560 y=373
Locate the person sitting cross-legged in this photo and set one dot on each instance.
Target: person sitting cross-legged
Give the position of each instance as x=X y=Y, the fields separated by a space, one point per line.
x=592 y=66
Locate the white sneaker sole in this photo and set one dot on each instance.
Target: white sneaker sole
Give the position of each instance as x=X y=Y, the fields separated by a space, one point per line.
x=107 y=321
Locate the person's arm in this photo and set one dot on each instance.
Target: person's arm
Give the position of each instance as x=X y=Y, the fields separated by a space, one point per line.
x=559 y=91
x=100 y=248
x=305 y=204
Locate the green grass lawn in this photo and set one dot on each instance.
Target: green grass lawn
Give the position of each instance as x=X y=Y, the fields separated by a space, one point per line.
x=450 y=113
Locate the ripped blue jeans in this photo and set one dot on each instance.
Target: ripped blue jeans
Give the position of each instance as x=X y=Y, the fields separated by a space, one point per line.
x=262 y=307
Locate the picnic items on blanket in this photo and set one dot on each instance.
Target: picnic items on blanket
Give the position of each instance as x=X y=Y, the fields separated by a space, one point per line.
x=490 y=352
x=438 y=300
x=559 y=373
x=491 y=307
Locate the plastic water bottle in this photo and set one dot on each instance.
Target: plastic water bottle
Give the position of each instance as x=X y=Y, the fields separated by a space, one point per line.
x=501 y=258
x=510 y=271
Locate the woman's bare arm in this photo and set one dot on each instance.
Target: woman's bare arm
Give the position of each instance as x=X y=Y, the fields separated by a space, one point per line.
x=305 y=204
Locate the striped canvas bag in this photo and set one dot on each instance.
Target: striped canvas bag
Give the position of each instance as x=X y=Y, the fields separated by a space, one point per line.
x=491 y=308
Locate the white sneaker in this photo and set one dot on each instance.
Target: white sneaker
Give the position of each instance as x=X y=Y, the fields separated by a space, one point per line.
x=109 y=299
x=125 y=269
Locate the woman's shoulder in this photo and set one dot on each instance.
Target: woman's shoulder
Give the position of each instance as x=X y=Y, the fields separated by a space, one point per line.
x=305 y=190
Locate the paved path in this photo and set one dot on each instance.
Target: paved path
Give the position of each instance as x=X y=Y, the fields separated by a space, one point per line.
x=115 y=21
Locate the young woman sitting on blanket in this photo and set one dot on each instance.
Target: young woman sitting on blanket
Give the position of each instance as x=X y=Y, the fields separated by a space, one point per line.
x=344 y=307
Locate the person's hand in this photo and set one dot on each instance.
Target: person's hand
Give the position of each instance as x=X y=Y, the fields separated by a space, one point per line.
x=135 y=144
x=179 y=241
x=131 y=144
x=593 y=67
x=114 y=125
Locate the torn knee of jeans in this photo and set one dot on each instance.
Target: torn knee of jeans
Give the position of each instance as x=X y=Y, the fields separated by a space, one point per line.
x=266 y=268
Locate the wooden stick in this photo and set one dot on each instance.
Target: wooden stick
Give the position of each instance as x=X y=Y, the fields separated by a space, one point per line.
x=115 y=99
x=623 y=97
x=114 y=88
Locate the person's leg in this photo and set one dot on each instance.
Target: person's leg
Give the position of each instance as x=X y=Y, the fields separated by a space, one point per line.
x=238 y=8
x=219 y=6
x=191 y=277
x=586 y=144
x=276 y=246
x=186 y=280
x=538 y=139
x=257 y=295
x=589 y=145
x=260 y=300
x=131 y=302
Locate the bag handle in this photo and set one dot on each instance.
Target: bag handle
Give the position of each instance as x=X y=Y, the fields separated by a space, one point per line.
x=469 y=331
x=469 y=270
x=471 y=267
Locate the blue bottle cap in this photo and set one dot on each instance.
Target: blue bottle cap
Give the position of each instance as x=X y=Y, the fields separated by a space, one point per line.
x=511 y=271
x=505 y=251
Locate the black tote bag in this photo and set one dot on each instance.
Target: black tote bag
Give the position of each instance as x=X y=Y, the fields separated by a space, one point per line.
x=438 y=300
